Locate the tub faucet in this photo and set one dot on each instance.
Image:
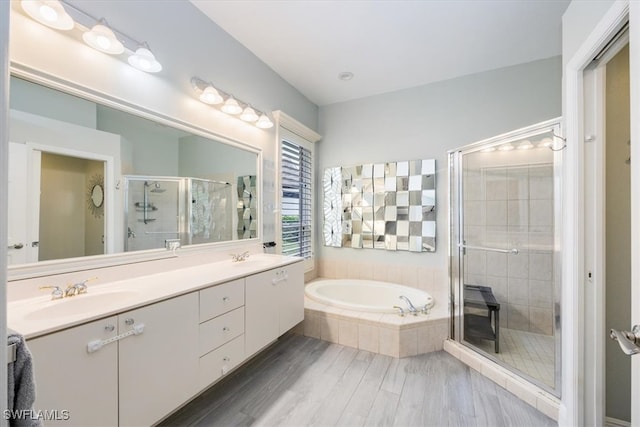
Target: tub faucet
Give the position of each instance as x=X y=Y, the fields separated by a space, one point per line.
x=400 y=310
x=412 y=309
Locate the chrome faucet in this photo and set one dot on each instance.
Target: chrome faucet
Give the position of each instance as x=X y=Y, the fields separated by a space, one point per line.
x=240 y=257
x=78 y=288
x=412 y=309
x=71 y=290
x=400 y=310
x=57 y=293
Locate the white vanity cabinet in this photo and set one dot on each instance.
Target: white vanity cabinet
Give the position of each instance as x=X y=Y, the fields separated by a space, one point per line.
x=136 y=367
x=158 y=369
x=274 y=303
x=136 y=380
x=68 y=378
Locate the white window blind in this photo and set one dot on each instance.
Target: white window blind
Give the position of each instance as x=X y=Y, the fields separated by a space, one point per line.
x=296 y=209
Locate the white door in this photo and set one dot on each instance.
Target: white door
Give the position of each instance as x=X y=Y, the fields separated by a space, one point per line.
x=24 y=205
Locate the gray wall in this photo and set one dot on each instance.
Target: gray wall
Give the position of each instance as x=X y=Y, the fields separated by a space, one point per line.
x=149 y=149
x=43 y=101
x=578 y=22
x=426 y=121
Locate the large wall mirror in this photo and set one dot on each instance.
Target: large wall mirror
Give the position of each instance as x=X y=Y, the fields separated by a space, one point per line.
x=87 y=179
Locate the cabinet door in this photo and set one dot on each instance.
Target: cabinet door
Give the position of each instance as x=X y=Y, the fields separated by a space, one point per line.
x=159 y=367
x=290 y=291
x=69 y=378
x=261 y=311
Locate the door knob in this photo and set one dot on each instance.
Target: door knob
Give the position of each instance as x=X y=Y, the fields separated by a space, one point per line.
x=16 y=246
x=629 y=341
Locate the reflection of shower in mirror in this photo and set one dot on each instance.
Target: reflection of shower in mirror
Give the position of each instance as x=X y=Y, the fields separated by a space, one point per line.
x=192 y=210
x=155 y=187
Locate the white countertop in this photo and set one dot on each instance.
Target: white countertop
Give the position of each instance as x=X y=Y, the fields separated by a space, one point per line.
x=40 y=315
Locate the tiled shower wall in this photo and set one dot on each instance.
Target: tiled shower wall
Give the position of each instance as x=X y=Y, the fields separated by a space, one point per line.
x=512 y=207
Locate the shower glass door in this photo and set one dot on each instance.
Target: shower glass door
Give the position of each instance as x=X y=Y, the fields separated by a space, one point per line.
x=505 y=260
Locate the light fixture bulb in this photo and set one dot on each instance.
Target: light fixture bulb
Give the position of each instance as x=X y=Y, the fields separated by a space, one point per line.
x=264 y=122
x=249 y=115
x=211 y=96
x=546 y=142
x=103 y=42
x=231 y=106
x=525 y=145
x=506 y=147
x=102 y=38
x=48 y=12
x=144 y=60
x=488 y=149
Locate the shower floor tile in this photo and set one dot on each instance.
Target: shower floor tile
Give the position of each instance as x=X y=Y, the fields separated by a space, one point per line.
x=531 y=353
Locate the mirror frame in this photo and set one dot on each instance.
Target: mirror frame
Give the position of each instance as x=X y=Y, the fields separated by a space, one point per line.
x=68 y=265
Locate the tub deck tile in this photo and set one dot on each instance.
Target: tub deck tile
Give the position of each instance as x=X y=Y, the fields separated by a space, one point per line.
x=389 y=334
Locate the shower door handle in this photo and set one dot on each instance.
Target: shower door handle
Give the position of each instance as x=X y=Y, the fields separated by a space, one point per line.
x=513 y=251
x=161 y=232
x=629 y=341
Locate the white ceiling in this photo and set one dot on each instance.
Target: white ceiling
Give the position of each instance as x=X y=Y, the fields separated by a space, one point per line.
x=388 y=45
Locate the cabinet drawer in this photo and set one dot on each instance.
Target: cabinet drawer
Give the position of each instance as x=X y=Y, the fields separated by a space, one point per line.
x=220 y=330
x=217 y=363
x=220 y=299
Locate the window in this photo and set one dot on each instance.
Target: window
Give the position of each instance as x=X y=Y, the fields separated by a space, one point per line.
x=296 y=197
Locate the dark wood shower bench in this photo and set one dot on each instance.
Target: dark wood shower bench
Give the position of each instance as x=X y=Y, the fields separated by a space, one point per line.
x=482 y=326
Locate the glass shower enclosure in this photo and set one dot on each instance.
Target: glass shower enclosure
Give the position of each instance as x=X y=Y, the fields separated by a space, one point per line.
x=505 y=206
x=160 y=209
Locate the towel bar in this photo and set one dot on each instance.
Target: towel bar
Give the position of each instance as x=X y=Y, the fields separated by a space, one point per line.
x=11 y=353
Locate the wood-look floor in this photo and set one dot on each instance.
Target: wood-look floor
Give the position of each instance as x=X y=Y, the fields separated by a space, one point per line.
x=301 y=381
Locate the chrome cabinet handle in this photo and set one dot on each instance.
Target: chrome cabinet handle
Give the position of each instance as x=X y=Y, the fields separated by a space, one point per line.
x=225 y=329
x=109 y=328
x=629 y=341
x=225 y=299
x=129 y=321
x=226 y=359
x=16 y=246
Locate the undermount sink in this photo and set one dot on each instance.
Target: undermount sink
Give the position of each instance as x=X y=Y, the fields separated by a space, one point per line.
x=253 y=262
x=79 y=305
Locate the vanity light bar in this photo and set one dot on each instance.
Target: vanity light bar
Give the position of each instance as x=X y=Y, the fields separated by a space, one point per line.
x=211 y=95
x=97 y=33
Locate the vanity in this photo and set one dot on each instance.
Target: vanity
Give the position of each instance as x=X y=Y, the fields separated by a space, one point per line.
x=132 y=351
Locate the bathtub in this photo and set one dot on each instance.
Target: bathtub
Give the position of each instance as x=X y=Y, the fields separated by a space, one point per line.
x=360 y=314
x=366 y=295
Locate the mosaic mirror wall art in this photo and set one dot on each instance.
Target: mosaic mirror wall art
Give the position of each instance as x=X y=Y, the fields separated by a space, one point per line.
x=247 y=218
x=388 y=206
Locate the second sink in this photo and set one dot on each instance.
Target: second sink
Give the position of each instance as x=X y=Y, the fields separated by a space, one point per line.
x=80 y=304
